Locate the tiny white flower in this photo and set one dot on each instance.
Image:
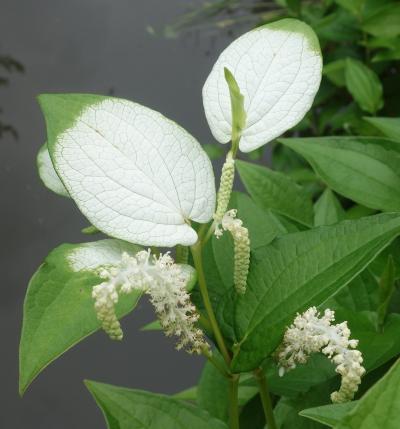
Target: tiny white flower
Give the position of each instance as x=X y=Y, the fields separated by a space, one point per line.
x=311 y=333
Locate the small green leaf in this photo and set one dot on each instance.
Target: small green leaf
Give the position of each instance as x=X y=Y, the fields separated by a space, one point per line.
x=328 y=209
x=90 y=230
x=379 y=407
x=329 y=415
x=390 y=127
x=214 y=151
x=363 y=169
x=187 y=394
x=47 y=173
x=335 y=72
x=237 y=107
x=152 y=326
x=384 y=22
x=276 y=191
x=136 y=409
x=364 y=85
x=59 y=309
x=300 y=270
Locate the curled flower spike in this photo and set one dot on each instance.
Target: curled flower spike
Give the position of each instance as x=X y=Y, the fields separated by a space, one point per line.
x=310 y=333
x=225 y=188
x=241 y=242
x=165 y=283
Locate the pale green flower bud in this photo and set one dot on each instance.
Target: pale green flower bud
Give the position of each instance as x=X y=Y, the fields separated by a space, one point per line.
x=241 y=242
x=225 y=187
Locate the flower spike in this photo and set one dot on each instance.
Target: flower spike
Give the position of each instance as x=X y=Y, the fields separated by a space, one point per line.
x=311 y=333
x=165 y=283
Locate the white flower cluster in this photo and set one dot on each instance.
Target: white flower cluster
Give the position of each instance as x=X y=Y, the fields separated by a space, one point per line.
x=241 y=241
x=165 y=283
x=311 y=333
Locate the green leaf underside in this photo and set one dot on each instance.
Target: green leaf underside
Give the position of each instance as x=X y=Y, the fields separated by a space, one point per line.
x=329 y=415
x=136 y=409
x=288 y=280
x=379 y=407
x=59 y=309
x=362 y=169
x=276 y=191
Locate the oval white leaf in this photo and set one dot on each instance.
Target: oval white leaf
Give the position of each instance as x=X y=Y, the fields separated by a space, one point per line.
x=47 y=173
x=134 y=174
x=278 y=69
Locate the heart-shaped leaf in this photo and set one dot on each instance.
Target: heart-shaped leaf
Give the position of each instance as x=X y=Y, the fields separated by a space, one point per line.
x=59 y=309
x=133 y=173
x=278 y=70
x=136 y=409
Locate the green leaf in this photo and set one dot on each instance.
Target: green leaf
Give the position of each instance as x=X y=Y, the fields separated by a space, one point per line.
x=329 y=415
x=136 y=409
x=59 y=309
x=187 y=394
x=90 y=230
x=300 y=270
x=276 y=191
x=237 y=107
x=364 y=85
x=384 y=22
x=363 y=169
x=328 y=209
x=152 y=326
x=390 y=127
x=361 y=294
x=335 y=72
x=47 y=173
x=214 y=151
x=386 y=289
x=379 y=407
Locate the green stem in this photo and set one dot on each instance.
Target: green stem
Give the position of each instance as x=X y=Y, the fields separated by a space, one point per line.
x=218 y=365
x=198 y=263
x=265 y=398
x=233 y=402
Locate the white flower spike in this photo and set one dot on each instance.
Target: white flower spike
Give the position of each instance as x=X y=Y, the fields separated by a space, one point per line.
x=241 y=242
x=165 y=283
x=278 y=69
x=311 y=333
x=133 y=173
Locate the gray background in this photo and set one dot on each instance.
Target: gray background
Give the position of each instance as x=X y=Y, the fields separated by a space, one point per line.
x=84 y=46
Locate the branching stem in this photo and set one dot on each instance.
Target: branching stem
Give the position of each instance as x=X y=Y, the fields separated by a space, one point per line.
x=265 y=398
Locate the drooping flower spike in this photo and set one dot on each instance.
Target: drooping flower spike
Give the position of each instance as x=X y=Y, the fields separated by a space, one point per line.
x=311 y=333
x=165 y=283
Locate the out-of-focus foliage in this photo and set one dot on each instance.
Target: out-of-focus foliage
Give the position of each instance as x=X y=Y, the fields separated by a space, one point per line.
x=8 y=65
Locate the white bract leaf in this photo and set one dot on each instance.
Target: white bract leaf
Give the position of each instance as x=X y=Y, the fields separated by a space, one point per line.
x=278 y=69
x=93 y=255
x=134 y=174
x=47 y=173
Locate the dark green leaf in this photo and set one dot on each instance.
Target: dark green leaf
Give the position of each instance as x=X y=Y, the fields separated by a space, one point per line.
x=360 y=168
x=384 y=22
x=386 y=289
x=136 y=409
x=390 y=127
x=379 y=407
x=276 y=191
x=297 y=271
x=364 y=85
x=329 y=415
x=328 y=209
